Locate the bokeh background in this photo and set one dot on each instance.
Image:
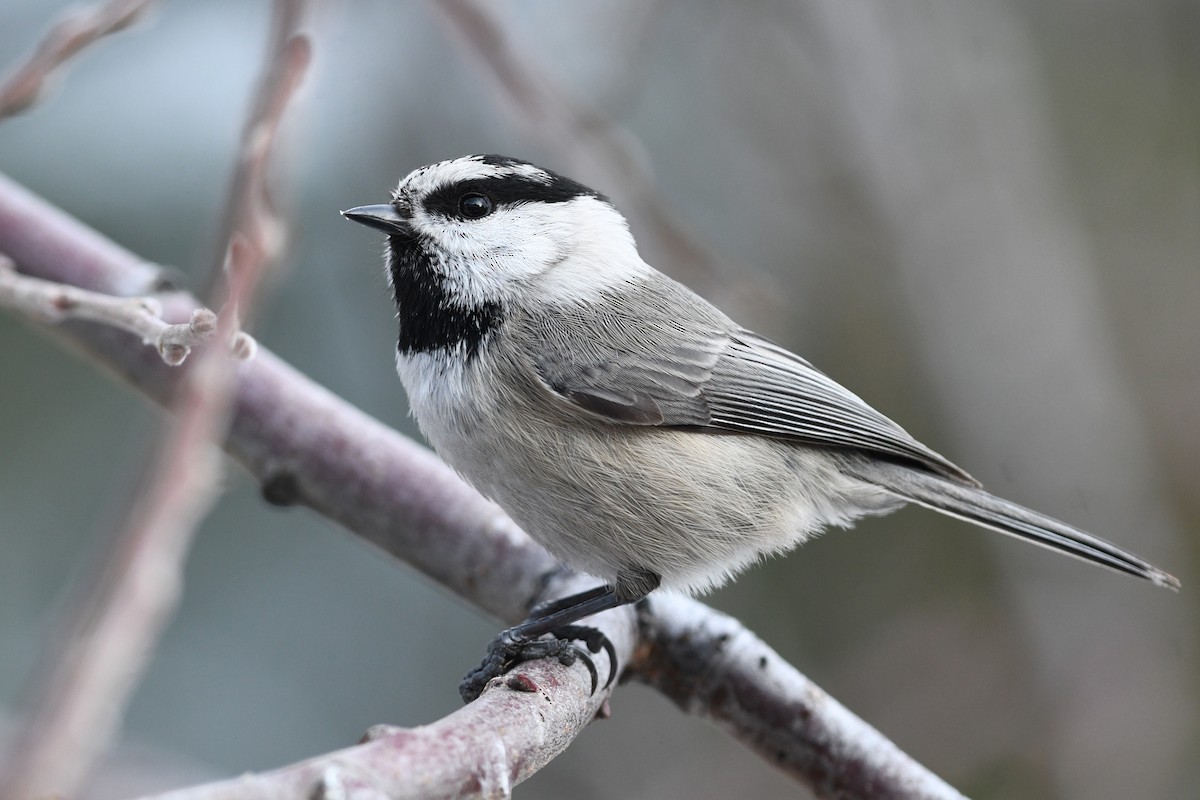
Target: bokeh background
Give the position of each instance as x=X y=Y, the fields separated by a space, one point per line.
x=983 y=217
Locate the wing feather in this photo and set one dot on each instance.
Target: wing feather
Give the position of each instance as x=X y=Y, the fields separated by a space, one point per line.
x=760 y=386
x=663 y=356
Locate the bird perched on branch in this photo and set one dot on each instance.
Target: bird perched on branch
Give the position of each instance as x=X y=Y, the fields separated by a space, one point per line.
x=628 y=425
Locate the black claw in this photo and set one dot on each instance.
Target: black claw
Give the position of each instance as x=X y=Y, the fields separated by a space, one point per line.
x=508 y=650
x=570 y=654
x=595 y=640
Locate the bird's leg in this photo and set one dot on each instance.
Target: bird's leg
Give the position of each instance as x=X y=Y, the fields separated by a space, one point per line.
x=553 y=606
x=524 y=642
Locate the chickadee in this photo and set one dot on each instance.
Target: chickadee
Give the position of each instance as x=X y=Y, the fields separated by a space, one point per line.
x=631 y=428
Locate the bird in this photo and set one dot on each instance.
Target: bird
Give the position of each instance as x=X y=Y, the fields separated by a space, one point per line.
x=628 y=425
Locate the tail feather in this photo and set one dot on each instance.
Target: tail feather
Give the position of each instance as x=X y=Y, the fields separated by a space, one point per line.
x=977 y=506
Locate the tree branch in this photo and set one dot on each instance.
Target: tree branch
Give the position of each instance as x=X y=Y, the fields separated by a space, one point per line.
x=46 y=301
x=75 y=31
x=711 y=666
x=253 y=232
x=309 y=447
x=588 y=141
x=517 y=726
x=91 y=672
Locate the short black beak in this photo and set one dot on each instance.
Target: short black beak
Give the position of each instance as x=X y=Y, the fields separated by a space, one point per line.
x=383 y=217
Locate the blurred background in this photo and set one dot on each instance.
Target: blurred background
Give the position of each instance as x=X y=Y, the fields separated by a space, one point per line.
x=982 y=217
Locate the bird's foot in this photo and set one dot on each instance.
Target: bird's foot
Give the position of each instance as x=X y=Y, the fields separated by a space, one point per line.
x=510 y=648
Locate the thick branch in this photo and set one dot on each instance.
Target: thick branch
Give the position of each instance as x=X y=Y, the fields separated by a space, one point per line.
x=309 y=447
x=711 y=666
x=516 y=727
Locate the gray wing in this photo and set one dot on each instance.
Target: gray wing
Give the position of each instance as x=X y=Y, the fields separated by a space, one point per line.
x=676 y=361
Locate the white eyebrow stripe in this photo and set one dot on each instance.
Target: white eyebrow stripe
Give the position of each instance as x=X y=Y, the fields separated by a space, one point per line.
x=466 y=169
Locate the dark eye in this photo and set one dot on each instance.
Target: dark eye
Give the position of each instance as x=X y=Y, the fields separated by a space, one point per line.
x=474 y=206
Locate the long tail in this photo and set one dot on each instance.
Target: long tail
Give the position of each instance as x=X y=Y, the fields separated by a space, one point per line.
x=976 y=505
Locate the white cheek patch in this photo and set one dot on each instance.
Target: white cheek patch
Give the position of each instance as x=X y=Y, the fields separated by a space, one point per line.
x=589 y=280
x=485 y=259
x=602 y=255
x=573 y=249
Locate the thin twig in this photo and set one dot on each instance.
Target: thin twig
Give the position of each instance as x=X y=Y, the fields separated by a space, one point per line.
x=253 y=231
x=75 y=31
x=49 y=302
x=309 y=447
x=92 y=672
x=590 y=143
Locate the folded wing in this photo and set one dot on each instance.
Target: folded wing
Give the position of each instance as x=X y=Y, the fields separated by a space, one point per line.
x=658 y=357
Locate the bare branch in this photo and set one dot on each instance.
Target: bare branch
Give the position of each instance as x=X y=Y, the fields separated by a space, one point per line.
x=75 y=31
x=517 y=726
x=306 y=445
x=711 y=666
x=590 y=143
x=309 y=447
x=253 y=231
x=95 y=666
x=46 y=301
